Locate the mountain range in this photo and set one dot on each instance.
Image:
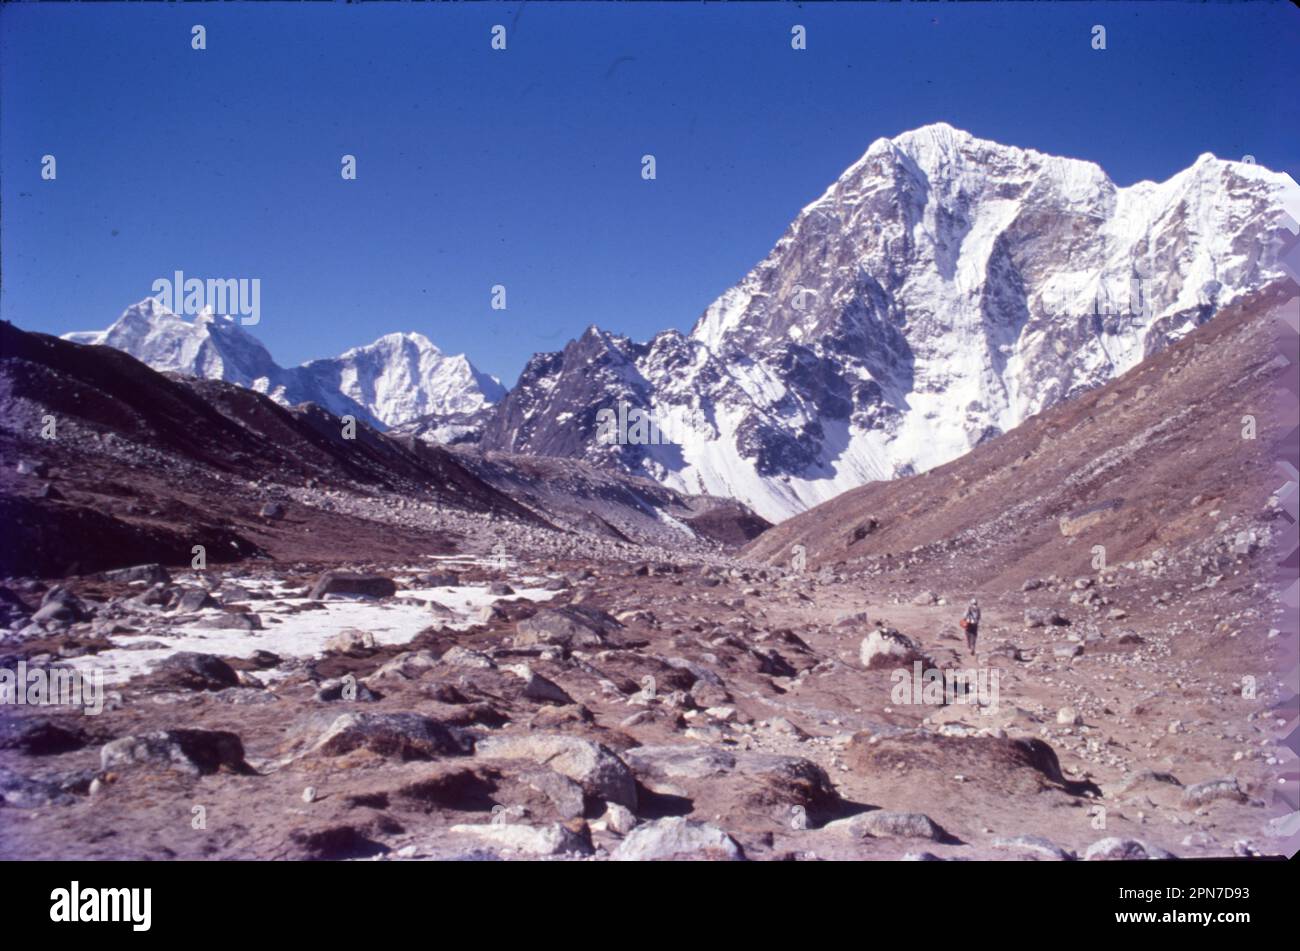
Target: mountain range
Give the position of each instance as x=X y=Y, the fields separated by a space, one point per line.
x=399 y=377
x=941 y=292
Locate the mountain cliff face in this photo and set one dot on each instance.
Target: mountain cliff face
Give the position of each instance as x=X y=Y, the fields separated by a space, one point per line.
x=942 y=291
x=397 y=378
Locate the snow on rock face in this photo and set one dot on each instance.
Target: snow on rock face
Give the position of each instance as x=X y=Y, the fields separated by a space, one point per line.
x=942 y=291
x=215 y=347
x=397 y=378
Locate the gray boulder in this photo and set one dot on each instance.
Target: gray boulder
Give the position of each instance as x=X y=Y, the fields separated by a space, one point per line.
x=193 y=671
x=192 y=752
x=351 y=584
x=600 y=772
x=676 y=837
x=404 y=736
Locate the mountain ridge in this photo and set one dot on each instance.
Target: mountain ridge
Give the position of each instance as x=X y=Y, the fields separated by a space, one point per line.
x=397 y=377
x=944 y=289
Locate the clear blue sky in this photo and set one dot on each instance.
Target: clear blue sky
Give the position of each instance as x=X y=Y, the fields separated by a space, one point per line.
x=523 y=168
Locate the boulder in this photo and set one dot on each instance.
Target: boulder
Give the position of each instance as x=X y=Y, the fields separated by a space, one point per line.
x=1115 y=848
x=553 y=839
x=880 y=824
x=352 y=584
x=192 y=752
x=537 y=687
x=1035 y=844
x=151 y=573
x=440 y=579
x=572 y=626
x=408 y=665
x=565 y=795
x=1198 y=794
x=601 y=774
x=231 y=621
x=193 y=671
x=190 y=600
x=40 y=736
x=464 y=657
x=677 y=837
x=350 y=639
x=23 y=792
x=1044 y=617
x=886 y=648
x=404 y=736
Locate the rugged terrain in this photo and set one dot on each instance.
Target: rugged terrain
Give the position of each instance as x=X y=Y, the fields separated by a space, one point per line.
x=517 y=664
x=942 y=290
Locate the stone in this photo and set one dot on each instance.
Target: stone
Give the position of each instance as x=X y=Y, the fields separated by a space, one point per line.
x=675 y=837
x=408 y=665
x=537 y=687
x=151 y=573
x=193 y=599
x=350 y=639
x=885 y=648
x=40 y=736
x=404 y=736
x=1044 y=617
x=1115 y=848
x=881 y=824
x=193 y=671
x=352 y=584
x=192 y=752
x=619 y=819
x=599 y=771
x=1034 y=843
x=1199 y=794
x=21 y=792
x=572 y=626
x=566 y=795
x=231 y=621
x=553 y=839
x=464 y=657
x=1068 y=716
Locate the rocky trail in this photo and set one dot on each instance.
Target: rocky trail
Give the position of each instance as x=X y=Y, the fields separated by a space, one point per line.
x=461 y=707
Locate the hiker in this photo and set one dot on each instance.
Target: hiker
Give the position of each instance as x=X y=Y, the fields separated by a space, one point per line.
x=970 y=623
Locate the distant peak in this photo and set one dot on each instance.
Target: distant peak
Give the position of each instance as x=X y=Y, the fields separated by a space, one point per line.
x=150 y=307
x=395 y=341
x=935 y=130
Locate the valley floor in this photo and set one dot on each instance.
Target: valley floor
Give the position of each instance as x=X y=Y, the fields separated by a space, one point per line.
x=641 y=705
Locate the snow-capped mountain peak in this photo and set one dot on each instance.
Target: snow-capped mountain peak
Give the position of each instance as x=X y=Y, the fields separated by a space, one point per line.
x=396 y=378
x=943 y=289
x=211 y=346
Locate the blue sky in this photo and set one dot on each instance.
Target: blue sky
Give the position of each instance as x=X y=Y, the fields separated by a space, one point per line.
x=522 y=167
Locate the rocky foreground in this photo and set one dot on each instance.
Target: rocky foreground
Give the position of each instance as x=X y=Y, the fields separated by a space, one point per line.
x=471 y=707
